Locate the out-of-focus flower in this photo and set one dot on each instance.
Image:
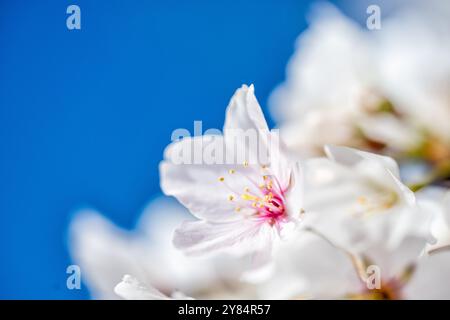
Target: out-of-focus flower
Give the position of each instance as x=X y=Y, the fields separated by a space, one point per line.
x=377 y=91
x=440 y=226
x=355 y=198
x=360 y=216
x=349 y=216
x=242 y=208
x=328 y=79
x=308 y=267
x=412 y=54
x=106 y=253
x=327 y=272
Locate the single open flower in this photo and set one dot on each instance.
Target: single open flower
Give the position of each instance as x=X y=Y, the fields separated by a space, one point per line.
x=355 y=198
x=244 y=203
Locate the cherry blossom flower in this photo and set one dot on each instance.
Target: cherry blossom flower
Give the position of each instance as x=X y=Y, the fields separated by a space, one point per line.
x=355 y=198
x=374 y=91
x=241 y=207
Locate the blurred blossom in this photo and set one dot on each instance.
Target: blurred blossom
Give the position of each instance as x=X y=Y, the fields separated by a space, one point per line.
x=355 y=198
x=327 y=78
x=440 y=227
x=328 y=272
x=131 y=289
x=385 y=90
x=414 y=64
x=360 y=215
x=107 y=253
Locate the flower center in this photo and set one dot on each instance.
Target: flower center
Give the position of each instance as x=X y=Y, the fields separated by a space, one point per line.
x=270 y=204
x=264 y=198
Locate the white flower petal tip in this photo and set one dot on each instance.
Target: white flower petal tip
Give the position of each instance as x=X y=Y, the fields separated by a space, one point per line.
x=244 y=112
x=382 y=170
x=351 y=156
x=131 y=289
x=363 y=206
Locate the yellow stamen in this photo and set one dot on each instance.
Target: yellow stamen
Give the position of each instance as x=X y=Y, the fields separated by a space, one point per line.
x=249 y=197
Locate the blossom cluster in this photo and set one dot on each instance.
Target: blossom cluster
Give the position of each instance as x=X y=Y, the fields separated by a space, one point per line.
x=334 y=210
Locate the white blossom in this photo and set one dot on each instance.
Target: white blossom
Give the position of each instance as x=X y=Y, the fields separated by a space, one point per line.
x=241 y=208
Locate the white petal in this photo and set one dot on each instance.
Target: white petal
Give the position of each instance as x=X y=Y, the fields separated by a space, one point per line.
x=431 y=279
x=388 y=129
x=160 y=218
x=131 y=289
x=244 y=112
x=437 y=201
x=157 y=256
x=393 y=260
x=309 y=267
x=352 y=157
x=199 y=187
x=240 y=237
x=382 y=170
x=177 y=295
x=444 y=237
x=245 y=128
x=295 y=194
x=282 y=163
x=332 y=207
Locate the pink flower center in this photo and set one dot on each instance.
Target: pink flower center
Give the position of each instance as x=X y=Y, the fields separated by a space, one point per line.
x=266 y=200
x=271 y=207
